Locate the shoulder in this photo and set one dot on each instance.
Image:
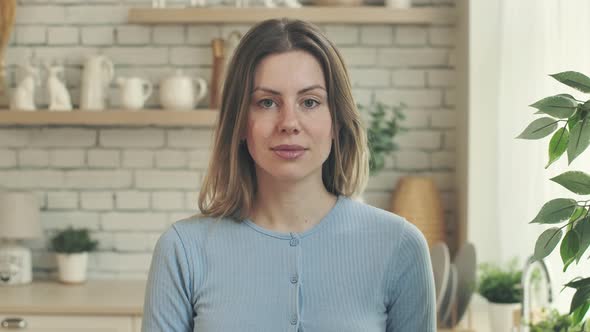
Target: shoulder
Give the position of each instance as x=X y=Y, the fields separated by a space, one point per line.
x=194 y=231
x=368 y=216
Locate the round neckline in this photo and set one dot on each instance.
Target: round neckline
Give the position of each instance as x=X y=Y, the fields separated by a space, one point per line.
x=290 y=235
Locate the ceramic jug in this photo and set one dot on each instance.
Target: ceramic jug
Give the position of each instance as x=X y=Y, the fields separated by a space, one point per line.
x=181 y=92
x=134 y=91
x=98 y=74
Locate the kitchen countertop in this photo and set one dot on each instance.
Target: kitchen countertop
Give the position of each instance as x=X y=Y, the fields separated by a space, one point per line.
x=122 y=297
x=95 y=297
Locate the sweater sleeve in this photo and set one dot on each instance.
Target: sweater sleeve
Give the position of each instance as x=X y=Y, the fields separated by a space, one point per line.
x=410 y=290
x=167 y=305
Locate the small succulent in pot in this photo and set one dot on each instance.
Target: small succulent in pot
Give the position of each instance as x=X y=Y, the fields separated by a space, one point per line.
x=70 y=241
x=72 y=247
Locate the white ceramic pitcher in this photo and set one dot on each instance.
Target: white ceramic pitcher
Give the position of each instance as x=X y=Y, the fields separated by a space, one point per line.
x=98 y=74
x=181 y=92
x=134 y=91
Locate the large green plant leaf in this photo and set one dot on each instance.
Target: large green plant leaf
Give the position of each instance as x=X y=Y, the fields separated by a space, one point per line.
x=574 y=79
x=579 y=283
x=573 y=120
x=583 y=229
x=539 y=128
x=581 y=296
x=579 y=313
x=555 y=211
x=558 y=145
x=560 y=106
x=575 y=181
x=569 y=248
x=546 y=242
x=579 y=139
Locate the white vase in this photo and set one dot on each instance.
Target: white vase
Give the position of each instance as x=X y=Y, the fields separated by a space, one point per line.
x=502 y=316
x=72 y=267
x=400 y=4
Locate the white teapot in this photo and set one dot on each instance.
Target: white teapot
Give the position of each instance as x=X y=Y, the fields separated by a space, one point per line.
x=179 y=93
x=134 y=91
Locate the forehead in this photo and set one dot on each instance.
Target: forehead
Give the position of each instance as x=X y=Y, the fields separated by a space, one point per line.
x=293 y=67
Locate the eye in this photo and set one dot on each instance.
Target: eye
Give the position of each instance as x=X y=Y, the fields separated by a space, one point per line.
x=266 y=103
x=310 y=103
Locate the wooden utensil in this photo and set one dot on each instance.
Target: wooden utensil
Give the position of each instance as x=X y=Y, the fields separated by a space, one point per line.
x=217 y=45
x=7 y=15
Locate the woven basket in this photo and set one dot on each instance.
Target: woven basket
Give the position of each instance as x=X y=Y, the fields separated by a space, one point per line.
x=418 y=200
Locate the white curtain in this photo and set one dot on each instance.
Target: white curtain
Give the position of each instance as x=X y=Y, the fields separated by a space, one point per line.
x=537 y=38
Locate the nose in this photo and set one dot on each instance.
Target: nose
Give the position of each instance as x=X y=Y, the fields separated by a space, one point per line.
x=288 y=121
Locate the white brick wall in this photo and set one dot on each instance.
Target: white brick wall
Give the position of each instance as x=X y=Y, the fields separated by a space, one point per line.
x=7 y=158
x=132 y=200
x=62 y=200
x=96 y=200
x=63 y=35
x=128 y=184
x=411 y=36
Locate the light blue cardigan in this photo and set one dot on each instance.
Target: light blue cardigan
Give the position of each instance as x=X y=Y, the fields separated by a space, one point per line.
x=361 y=269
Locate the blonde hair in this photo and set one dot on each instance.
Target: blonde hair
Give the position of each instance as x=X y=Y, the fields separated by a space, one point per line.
x=229 y=187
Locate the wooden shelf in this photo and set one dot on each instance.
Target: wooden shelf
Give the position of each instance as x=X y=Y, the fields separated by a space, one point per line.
x=159 y=118
x=361 y=14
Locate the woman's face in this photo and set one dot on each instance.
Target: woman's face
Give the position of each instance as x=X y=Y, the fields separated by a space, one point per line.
x=289 y=133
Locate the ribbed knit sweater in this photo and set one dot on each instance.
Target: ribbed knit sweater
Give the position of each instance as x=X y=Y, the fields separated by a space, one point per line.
x=360 y=269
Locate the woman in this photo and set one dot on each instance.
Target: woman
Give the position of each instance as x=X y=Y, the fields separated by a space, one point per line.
x=279 y=245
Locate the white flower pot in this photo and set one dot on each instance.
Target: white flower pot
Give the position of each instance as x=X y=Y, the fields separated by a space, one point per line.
x=502 y=316
x=72 y=267
x=399 y=4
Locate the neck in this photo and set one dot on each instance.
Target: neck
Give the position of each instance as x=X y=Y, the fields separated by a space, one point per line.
x=291 y=207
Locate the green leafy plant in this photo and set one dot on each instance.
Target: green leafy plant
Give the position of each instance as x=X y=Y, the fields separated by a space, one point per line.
x=498 y=284
x=568 y=119
x=556 y=322
x=70 y=241
x=383 y=126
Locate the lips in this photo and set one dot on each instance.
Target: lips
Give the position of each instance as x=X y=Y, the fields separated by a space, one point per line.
x=288 y=147
x=289 y=151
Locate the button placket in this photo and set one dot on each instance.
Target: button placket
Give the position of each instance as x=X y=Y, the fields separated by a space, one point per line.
x=294 y=278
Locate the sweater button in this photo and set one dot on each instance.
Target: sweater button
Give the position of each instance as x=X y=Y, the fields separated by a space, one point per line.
x=294 y=242
x=294 y=320
x=294 y=279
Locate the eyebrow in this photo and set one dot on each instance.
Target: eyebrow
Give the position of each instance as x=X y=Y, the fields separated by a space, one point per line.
x=317 y=86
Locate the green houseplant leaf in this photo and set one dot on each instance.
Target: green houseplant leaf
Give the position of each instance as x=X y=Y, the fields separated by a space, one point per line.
x=500 y=284
x=580 y=298
x=579 y=139
x=575 y=181
x=583 y=229
x=383 y=126
x=579 y=313
x=546 y=242
x=574 y=79
x=555 y=211
x=70 y=241
x=558 y=145
x=569 y=248
x=539 y=128
x=560 y=106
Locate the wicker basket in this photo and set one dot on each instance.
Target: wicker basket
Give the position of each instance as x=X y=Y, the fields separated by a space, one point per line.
x=417 y=199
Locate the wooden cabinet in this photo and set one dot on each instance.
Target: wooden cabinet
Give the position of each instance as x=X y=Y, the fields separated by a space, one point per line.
x=95 y=306
x=69 y=323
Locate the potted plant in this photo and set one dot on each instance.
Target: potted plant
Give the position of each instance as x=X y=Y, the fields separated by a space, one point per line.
x=382 y=127
x=72 y=247
x=567 y=119
x=556 y=322
x=502 y=288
